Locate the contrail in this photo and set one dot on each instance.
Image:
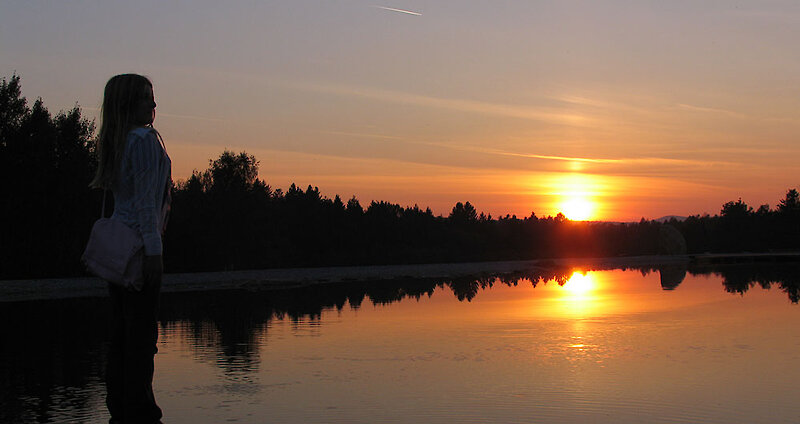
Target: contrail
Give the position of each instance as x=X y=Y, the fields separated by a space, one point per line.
x=391 y=9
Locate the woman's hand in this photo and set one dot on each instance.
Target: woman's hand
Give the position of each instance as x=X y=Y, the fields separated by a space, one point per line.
x=153 y=269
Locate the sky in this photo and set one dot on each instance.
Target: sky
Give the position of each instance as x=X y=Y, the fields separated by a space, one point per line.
x=606 y=110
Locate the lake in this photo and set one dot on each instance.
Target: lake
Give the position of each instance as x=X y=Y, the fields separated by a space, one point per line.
x=718 y=344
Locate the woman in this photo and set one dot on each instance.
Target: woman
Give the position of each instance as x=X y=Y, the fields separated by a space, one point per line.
x=134 y=165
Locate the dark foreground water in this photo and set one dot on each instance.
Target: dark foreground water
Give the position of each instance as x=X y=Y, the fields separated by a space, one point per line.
x=617 y=346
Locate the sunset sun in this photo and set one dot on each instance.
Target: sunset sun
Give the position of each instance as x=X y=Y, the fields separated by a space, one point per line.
x=577 y=195
x=577 y=208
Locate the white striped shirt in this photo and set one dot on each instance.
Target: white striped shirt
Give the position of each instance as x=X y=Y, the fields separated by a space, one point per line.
x=140 y=189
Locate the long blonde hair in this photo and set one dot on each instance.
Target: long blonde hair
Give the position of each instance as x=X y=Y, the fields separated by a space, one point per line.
x=120 y=99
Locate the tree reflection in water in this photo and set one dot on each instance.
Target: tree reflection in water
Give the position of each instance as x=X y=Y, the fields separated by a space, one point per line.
x=51 y=357
x=740 y=278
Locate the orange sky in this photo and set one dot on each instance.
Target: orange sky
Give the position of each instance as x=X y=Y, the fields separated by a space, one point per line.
x=633 y=110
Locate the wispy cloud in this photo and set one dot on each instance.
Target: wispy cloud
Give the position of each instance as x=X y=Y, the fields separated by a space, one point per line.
x=500 y=152
x=711 y=110
x=644 y=161
x=738 y=115
x=622 y=165
x=361 y=135
x=555 y=116
x=392 y=9
x=172 y=115
x=201 y=118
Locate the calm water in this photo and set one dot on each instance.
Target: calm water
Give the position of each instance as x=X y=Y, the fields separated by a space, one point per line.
x=616 y=346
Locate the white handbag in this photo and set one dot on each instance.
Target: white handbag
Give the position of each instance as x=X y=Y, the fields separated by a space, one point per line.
x=115 y=252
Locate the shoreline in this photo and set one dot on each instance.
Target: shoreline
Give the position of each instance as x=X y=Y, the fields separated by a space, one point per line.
x=287 y=278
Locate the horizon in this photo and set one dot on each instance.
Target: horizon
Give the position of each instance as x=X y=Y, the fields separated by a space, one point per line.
x=606 y=111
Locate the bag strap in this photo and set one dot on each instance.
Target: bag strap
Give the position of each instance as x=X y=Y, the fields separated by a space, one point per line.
x=103 y=207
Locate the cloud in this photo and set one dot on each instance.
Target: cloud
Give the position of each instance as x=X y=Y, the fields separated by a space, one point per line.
x=359 y=134
x=201 y=118
x=172 y=115
x=475 y=157
x=711 y=110
x=463 y=105
x=622 y=161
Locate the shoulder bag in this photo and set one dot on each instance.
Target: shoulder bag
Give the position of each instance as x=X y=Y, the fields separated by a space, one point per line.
x=115 y=252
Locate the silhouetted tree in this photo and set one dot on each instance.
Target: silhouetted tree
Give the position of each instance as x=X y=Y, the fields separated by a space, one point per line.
x=790 y=203
x=233 y=172
x=736 y=210
x=354 y=207
x=463 y=213
x=46 y=164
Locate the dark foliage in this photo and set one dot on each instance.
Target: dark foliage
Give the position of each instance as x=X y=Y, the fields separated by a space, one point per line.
x=251 y=226
x=46 y=164
x=738 y=228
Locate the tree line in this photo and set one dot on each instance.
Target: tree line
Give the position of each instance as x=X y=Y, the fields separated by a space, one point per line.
x=226 y=218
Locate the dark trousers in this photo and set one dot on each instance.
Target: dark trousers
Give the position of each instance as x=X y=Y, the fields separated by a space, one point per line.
x=129 y=370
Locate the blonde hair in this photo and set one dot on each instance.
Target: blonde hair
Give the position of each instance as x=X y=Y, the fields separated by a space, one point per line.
x=120 y=98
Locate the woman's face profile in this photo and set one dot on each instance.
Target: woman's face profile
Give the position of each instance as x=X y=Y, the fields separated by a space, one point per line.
x=145 y=110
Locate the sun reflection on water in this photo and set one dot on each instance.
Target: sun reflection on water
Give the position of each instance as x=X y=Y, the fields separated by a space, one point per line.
x=579 y=283
x=578 y=297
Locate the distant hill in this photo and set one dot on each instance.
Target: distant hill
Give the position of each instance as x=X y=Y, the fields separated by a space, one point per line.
x=668 y=218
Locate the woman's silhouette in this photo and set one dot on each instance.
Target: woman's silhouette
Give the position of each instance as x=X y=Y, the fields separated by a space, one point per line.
x=134 y=165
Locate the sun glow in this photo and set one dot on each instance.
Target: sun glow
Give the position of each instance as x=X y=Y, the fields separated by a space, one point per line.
x=575 y=194
x=578 y=298
x=579 y=283
x=577 y=209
